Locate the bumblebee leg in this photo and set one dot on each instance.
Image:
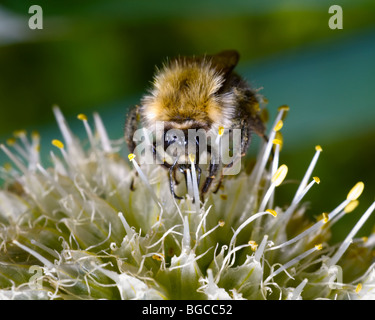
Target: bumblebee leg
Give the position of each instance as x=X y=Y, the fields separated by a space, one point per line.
x=171 y=180
x=131 y=125
x=245 y=138
x=212 y=175
x=185 y=176
x=132 y=188
x=172 y=172
x=199 y=170
x=177 y=182
x=219 y=184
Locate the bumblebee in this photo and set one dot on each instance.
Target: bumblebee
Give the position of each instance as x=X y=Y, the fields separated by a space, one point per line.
x=200 y=92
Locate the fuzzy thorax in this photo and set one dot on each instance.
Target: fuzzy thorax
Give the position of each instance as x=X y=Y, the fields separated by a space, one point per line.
x=185 y=95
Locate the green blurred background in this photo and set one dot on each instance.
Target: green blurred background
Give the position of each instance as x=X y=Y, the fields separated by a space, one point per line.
x=101 y=56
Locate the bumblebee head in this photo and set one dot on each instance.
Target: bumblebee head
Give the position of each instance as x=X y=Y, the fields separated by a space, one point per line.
x=186 y=93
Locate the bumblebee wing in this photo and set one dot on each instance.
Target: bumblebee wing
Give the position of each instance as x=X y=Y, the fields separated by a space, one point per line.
x=225 y=61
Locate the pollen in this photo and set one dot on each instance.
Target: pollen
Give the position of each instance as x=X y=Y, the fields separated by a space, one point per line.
x=318 y=148
x=191 y=157
x=131 y=156
x=256 y=107
x=19 y=133
x=82 y=117
x=264 y=115
x=253 y=245
x=279 y=175
x=223 y=197
x=317 y=180
x=358 y=288
x=58 y=144
x=221 y=131
x=273 y=212
x=356 y=191
x=158 y=257
x=279 y=140
x=11 y=141
x=7 y=166
x=325 y=217
x=351 y=206
x=283 y=107
x=221 y=223
x=319 y=246
x=278 y=125
x=35 y=135
x=279 y=136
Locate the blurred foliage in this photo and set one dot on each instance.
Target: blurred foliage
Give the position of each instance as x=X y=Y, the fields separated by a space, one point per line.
x=101 y=55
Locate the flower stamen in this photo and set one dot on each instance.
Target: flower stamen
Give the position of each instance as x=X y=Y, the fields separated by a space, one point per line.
x=318 y=150
x=346 y=243
x=293 y=261
x=276 y=180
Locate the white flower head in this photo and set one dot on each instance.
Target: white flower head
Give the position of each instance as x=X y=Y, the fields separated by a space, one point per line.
x=95 y=225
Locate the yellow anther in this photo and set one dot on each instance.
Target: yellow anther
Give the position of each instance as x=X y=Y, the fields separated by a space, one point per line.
x=264 y=115
x=19 y=133
x=283 y=107
x=131 y=156
x=279 y=136
x=318 y=148
x=358 y=288
x=273 y=212
x=35 y=135
x=253 y=245
x=279 y=140
x=221 y=223
x=58 y=144
x=82 y=117
x=221 y=131
x=278 y=125
x=279 y=175
x=11 y=141
x=319 y=246
x=317 y=180
x=364 y=239
x=256 y=107
x=191 y=157
x=351 y=206
x=325 y=217
x=7 y=166
x=356 y=191
x=223 y=197
x=158 y=257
